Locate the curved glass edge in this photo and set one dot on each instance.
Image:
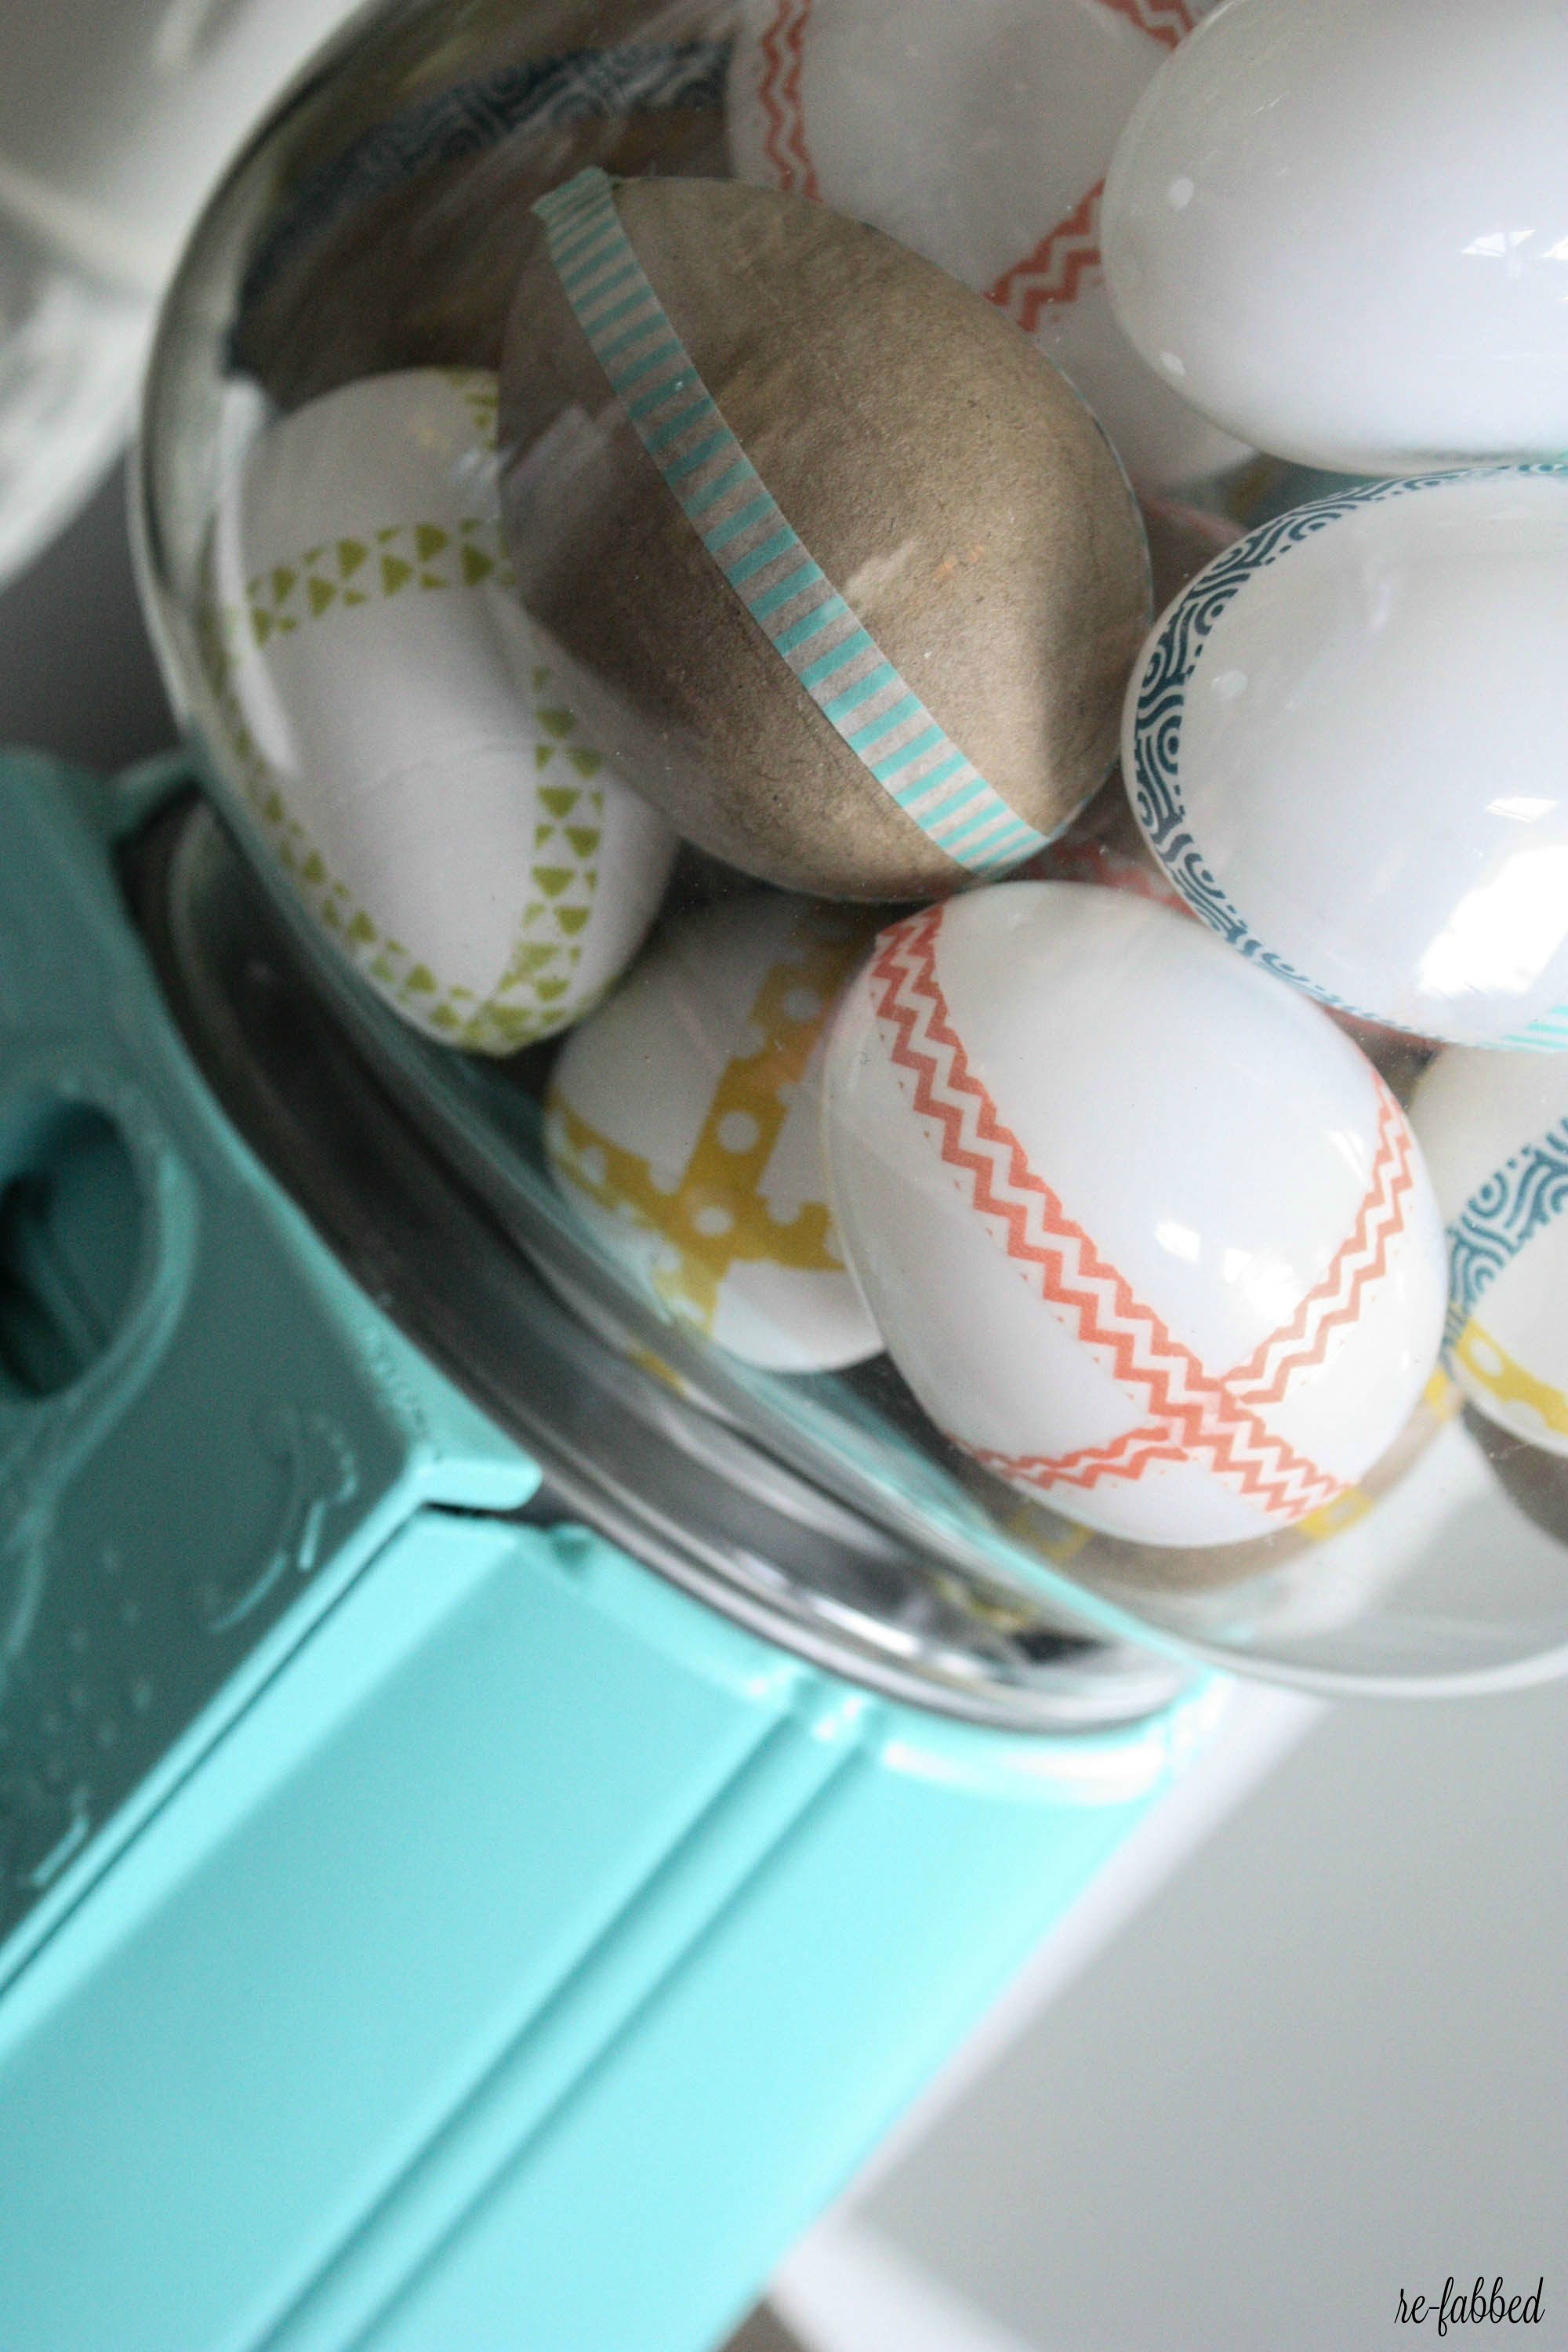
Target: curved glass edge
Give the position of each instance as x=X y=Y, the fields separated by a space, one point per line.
x=186 y=383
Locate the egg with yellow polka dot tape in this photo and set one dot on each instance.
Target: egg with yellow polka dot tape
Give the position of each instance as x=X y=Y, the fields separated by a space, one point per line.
x=1494 y=1128
x=409 y=757
x=683 y=1126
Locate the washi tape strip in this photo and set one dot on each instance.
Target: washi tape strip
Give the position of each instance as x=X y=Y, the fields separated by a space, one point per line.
x=850 y=679
x=1524 y=1196
x=1157 y=733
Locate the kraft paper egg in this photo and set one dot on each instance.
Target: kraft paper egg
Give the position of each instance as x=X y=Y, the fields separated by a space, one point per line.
x=1144 y=1232
x=1494 y=1130
x=407 y=752
x=827 y=555
x=1338 y=228
x=1343 y=742
x=683 y=1124
x=979 y=135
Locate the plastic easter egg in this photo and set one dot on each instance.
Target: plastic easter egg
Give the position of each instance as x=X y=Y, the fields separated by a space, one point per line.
x=827 y=555
x=1106 y=847
x=1343 y=742
x=1144 y=1234
x=1338 y=228
x=1494 y=1128
x=1320 y=1571
x=979 y=135
x=683 y=1125
x=409 y=756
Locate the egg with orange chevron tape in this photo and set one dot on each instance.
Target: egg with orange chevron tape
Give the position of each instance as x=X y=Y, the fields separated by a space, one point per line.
x=1144 y=1232
x=828 y=557
x=683 y=1124
x=1343 y=744
x=409 y=757
x=1494 y=1127
x=980 y=136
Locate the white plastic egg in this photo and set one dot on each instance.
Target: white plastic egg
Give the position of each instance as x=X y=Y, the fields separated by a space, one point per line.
x=404 y=751
x=1144 y=1232
x=1343 y=741
x=979 y=135
x=1339 y=228
x=683 y=1125
x=1494 y=1128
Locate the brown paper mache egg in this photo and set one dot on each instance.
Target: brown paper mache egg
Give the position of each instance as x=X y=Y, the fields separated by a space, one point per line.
x=828 y=554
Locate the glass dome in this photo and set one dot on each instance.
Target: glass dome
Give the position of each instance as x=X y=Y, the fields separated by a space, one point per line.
x=999 y=942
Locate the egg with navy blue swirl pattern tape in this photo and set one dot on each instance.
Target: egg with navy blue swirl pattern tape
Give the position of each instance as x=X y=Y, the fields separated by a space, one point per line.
x=1494 y=1130
x=1343 y=742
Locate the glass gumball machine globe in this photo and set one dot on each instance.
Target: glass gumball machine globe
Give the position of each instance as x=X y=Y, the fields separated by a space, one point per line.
x=660 y=525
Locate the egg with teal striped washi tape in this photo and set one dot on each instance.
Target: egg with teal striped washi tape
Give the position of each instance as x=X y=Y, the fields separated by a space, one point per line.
x=1144 y=1232
x=683 y=1126
x=395 y=735
x=1494 y=1128
x=980 y=136
x=826 y=553
x=1343 y=741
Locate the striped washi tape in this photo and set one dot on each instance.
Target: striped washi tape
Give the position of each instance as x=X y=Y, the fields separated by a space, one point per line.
x=853 y=684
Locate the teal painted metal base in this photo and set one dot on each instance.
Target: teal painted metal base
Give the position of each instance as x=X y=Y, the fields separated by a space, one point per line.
x=427 y=1932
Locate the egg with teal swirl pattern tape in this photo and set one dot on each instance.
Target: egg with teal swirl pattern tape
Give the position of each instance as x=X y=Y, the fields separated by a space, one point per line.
x=391 y=730
x=1494 y=1131
x=822 y=549
x=1343 y=742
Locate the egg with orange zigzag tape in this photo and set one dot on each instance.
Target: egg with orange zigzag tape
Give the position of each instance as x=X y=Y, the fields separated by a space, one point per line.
x=980 y=136
x=1494 y=1127
x=378 y=701
x=683 y=1126
x=1144 y=1232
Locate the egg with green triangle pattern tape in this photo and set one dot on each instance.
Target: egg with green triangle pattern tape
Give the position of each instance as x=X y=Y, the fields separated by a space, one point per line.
x=409 y=758
x=829 y=555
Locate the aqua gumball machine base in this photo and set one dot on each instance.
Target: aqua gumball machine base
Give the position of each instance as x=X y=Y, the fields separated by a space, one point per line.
x=424 y=1926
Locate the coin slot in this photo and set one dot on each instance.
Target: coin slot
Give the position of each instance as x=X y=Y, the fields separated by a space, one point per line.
x=70 y=1230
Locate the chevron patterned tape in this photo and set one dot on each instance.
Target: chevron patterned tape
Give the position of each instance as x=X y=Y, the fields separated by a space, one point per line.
x=1067 y=259
x=1191 y=1414
x=786 y=592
